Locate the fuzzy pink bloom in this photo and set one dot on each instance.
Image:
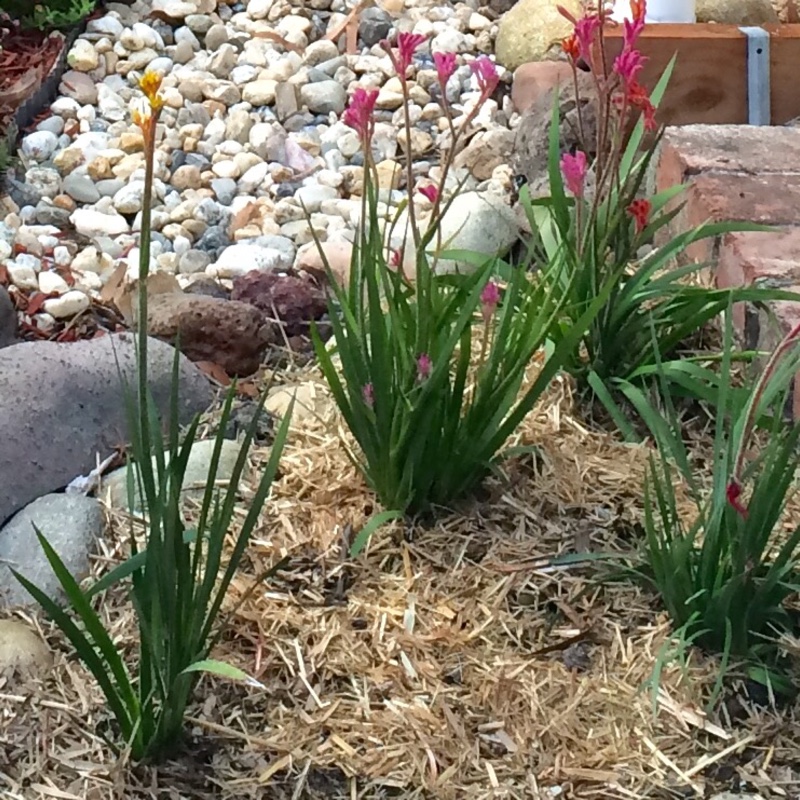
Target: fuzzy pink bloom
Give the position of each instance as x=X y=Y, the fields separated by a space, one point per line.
x=486 y=73
x=368 y=394
x=490 y=297
x=631 y=30
x=359 y=114
x=430 y=191
x=424 y=366
x=396 y=258
x=445 y=66
x=586 y=30
x=628 y=64
x=407 y=45
x=573 y=170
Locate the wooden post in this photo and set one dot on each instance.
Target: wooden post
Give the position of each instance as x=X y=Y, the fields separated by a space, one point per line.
x=709 y=83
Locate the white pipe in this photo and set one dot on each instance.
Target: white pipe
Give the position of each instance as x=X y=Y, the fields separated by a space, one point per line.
x=659 y=11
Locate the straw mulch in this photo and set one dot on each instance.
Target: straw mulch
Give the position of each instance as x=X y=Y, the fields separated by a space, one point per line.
x=453 y=660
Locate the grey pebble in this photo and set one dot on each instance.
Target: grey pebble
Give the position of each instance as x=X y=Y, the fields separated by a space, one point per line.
x=81 y=188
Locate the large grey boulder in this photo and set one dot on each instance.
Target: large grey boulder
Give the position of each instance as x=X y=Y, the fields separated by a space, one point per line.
x=63 y=404
x=8 y=319
x=737 y=12
x=71 y=523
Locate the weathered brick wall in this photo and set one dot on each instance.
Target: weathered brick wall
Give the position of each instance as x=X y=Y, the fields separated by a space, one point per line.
x=741 y=173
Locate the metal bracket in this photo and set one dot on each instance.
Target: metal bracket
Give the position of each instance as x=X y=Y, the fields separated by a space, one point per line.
x=758 y=77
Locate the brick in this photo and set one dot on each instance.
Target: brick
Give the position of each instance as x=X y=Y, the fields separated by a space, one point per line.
x=694 y=149
x=773 y=259
x=769 y=199
x=740 y=174
x=732 y=172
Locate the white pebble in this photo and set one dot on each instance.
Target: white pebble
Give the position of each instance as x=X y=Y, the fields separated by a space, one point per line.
x=39 y=145
x=61 y=256
x=44 y=322
x=83 y=57
x=68 y=305
x=47 y=242
x=66 y=107
x=52 y=283
x=91 y=222
x=87 y=281
x=30 y=261
x=258 y=9
x=108 y=25
x=181 y=245
x=22 y=276
x=225 y=169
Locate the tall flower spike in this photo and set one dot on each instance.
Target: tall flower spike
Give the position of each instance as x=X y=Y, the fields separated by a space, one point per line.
x=586 y=30
x=486 y=73
x=733 y=492
x=640 y=210
x=637 y=98
x=430 y=191
x=407 y=45
x=445 y=67
x=628 y=64
x=631 y=30
x=566 y=14
x=150 y=84
x=141 y=112
x=490 y=297
x=359 y=114
x=573 y=170
x=368 y=394
x=639 y=10
x=571 y=47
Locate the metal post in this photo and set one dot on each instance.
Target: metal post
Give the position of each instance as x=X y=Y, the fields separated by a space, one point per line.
x=758 y=77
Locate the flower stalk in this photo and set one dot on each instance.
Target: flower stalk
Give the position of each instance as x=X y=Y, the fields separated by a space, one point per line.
x=735 y=486
x=145 y=115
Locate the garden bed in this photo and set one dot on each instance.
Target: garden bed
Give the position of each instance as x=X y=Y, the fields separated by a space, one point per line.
x=460 y=663
x=484 y=652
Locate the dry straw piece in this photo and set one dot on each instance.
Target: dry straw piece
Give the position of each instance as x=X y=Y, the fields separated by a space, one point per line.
x=449 y=661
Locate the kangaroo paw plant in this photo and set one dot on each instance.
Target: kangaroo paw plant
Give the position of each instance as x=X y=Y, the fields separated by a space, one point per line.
x=726 y=569
x=601 y=221
x=429 y=369
x=178 y=579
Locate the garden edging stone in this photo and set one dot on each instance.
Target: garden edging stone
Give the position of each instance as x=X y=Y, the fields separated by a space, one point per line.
x=62 y=406
x=71 y=523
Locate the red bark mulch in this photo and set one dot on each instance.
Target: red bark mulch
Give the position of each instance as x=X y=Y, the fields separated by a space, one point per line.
x=26 y=59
